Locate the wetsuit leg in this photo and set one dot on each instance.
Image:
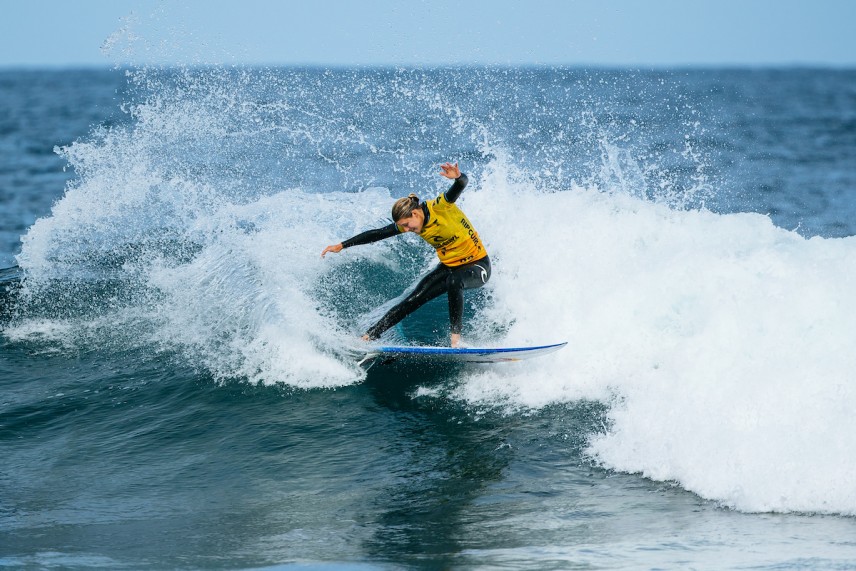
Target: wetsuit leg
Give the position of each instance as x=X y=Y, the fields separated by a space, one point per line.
x=429 y=287
x=469 y=276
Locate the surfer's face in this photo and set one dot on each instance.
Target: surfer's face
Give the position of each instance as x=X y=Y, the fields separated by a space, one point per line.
x=414 y=222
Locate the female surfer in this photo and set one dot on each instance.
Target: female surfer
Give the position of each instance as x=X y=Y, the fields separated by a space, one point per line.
x=464 y=263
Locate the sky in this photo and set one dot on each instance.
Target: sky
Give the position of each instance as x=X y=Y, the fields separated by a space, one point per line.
x=632 y=33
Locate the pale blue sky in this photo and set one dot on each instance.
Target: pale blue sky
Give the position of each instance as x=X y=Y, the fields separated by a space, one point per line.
x=635 y=33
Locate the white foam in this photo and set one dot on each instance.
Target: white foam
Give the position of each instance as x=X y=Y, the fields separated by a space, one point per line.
x=723 y=342
x=245 y=303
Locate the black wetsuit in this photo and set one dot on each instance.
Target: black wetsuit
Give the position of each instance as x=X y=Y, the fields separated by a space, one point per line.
x=452 y=280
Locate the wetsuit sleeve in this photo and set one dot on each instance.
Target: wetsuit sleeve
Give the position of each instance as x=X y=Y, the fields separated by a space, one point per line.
x=370 y=236
x=456 y=189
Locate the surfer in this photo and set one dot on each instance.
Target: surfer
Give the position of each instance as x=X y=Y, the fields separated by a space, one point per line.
x=464 y=263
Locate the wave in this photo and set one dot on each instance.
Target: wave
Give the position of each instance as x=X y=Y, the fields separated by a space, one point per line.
x=720 y=341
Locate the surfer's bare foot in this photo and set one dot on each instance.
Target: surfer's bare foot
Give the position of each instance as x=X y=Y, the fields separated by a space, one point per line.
x=365 y=338
x=455 y=340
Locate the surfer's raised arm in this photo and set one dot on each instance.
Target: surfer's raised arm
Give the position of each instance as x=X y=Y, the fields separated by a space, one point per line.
x=453 y=172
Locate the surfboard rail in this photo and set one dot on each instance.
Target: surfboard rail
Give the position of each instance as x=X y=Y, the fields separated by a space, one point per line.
x=459 y=354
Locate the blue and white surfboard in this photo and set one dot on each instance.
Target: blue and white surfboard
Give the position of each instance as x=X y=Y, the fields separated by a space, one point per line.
x=459 y=354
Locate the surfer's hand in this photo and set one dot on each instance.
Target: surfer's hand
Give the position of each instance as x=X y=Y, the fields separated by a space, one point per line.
x=335 y=249
x=450 y=170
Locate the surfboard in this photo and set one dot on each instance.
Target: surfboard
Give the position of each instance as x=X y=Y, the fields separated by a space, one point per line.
x=458 y=354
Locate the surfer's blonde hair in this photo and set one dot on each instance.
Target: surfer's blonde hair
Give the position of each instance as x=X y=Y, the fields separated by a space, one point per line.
x=404 y=207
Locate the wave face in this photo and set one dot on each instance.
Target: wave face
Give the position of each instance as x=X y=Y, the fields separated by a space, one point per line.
x=193 y=229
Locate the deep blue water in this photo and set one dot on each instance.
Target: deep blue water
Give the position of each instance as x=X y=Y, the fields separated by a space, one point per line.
x=177 y=382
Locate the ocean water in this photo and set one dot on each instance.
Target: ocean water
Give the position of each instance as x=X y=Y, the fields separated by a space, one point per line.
x=178 y=387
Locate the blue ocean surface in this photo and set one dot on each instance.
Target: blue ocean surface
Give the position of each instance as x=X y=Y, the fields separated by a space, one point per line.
x=178 y=380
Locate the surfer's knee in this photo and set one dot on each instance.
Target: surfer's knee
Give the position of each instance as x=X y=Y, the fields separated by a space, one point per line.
x=454 y=281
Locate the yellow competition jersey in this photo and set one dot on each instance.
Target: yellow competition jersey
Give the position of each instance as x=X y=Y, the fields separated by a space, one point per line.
x=450 y=233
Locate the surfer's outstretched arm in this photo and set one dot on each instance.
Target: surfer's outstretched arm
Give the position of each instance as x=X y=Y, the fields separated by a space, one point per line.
x=366 y=237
